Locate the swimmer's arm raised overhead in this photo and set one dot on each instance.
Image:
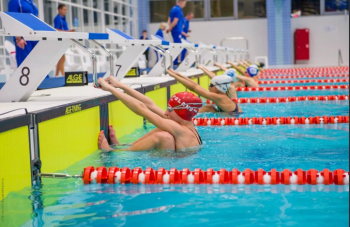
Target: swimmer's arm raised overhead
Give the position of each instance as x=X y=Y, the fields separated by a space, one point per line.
x=249 y=81
x=221 y=66
x=137 y=95
x=141 y=109
x=207 y=71
x=189 y=84
x=244 y=64
x=239 y=69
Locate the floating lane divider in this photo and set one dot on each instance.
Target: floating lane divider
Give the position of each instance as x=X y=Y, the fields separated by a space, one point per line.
x=306 y=76
x=303 y=81
x=115 y=175
x=271 y=121
x=295 y=88
x=289 y=99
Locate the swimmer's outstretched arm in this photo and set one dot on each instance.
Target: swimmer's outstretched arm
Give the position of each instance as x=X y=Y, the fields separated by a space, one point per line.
x=249 y=81
x=244 y=64
x=141 y=109
x=206 y=71
x=221 y=66
x=137 y=95
x=239 y=69
x=189 y=84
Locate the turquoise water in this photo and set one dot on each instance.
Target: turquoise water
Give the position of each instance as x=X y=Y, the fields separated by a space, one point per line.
x=299 y=109
x=70 y=203
x=254 y=147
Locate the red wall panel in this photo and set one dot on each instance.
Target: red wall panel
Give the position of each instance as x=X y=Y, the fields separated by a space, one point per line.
x=302 y=44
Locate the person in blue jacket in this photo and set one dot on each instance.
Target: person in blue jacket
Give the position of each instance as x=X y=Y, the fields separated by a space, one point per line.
x=61 y=25
x=23 y=47
x=161 y=35
x=161 y=29
x=175 y=21
x=186 y=31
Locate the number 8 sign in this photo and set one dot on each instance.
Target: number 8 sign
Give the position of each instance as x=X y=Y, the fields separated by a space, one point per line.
x=24 y=76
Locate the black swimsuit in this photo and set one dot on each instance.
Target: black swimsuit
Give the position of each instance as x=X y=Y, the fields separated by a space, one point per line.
x=235 y=112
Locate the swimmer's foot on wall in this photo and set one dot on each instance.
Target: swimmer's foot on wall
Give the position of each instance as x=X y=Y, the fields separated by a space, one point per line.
x=103 y=143
x=112 y=136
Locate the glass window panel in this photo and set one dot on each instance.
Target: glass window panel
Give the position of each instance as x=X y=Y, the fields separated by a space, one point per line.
x=160 y=10
x=196 y=7
x=251 y=9
x=336 y=5
x=307 y=7
x=221 y=8
x=51 y=11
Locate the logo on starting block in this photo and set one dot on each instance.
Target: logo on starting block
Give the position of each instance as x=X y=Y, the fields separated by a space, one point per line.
x=133 y=72
x=76 y=78
x=73 y=109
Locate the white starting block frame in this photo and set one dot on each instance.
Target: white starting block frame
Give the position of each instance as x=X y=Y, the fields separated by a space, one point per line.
x=50 y=48
x=133 y=51
x=174 y=50
x=209 y=55
x=196 y=55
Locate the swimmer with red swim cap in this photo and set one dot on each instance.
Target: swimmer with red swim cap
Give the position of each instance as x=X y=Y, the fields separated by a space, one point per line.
x=218 y=93
x=175 y=129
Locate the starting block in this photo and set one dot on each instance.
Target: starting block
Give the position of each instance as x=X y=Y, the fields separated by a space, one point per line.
x=133 y=51
x=165 y=62
x=50 y=48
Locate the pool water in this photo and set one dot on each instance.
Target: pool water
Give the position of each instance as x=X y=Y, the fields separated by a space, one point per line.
x=280 y=147
x=70 y=203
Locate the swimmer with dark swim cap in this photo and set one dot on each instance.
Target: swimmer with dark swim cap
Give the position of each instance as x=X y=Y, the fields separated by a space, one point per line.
x=250 y=78
x=218 y=93
x=175 y=129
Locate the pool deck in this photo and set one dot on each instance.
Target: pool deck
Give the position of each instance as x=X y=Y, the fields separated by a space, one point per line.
x=51 y=98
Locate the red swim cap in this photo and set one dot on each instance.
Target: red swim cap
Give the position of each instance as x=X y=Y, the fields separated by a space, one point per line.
x=186 y=105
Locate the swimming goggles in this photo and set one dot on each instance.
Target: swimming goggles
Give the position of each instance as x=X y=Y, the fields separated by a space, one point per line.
x=184 y=106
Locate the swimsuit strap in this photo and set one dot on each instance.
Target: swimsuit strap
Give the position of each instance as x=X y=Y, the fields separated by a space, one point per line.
x=195 y=132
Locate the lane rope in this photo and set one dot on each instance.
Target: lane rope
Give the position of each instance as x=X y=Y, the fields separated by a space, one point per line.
x=318 y=120
x=288 y=99
x=299 y=77
x=295 y=88
x=116 y=175
x=303 y=81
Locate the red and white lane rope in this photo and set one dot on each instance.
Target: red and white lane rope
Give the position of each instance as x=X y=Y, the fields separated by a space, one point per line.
x=308 y=76
x=289 y=99
x=116 y=175
x=303 y=81
x=318 y=120
x=296 y=88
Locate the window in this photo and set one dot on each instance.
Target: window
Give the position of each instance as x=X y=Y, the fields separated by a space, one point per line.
x=221 y=8
x=160 y=10
x=336 y=5
x=196 y=7
x=307 y=7
x=251 y=9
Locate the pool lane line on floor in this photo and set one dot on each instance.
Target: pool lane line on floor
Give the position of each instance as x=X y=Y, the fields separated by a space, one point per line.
x=271 y=121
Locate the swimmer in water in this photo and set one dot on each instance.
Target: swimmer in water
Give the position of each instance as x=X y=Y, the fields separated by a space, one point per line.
x=175 y=129
x=232 y=93
x=218 y=93
x=250 y=78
